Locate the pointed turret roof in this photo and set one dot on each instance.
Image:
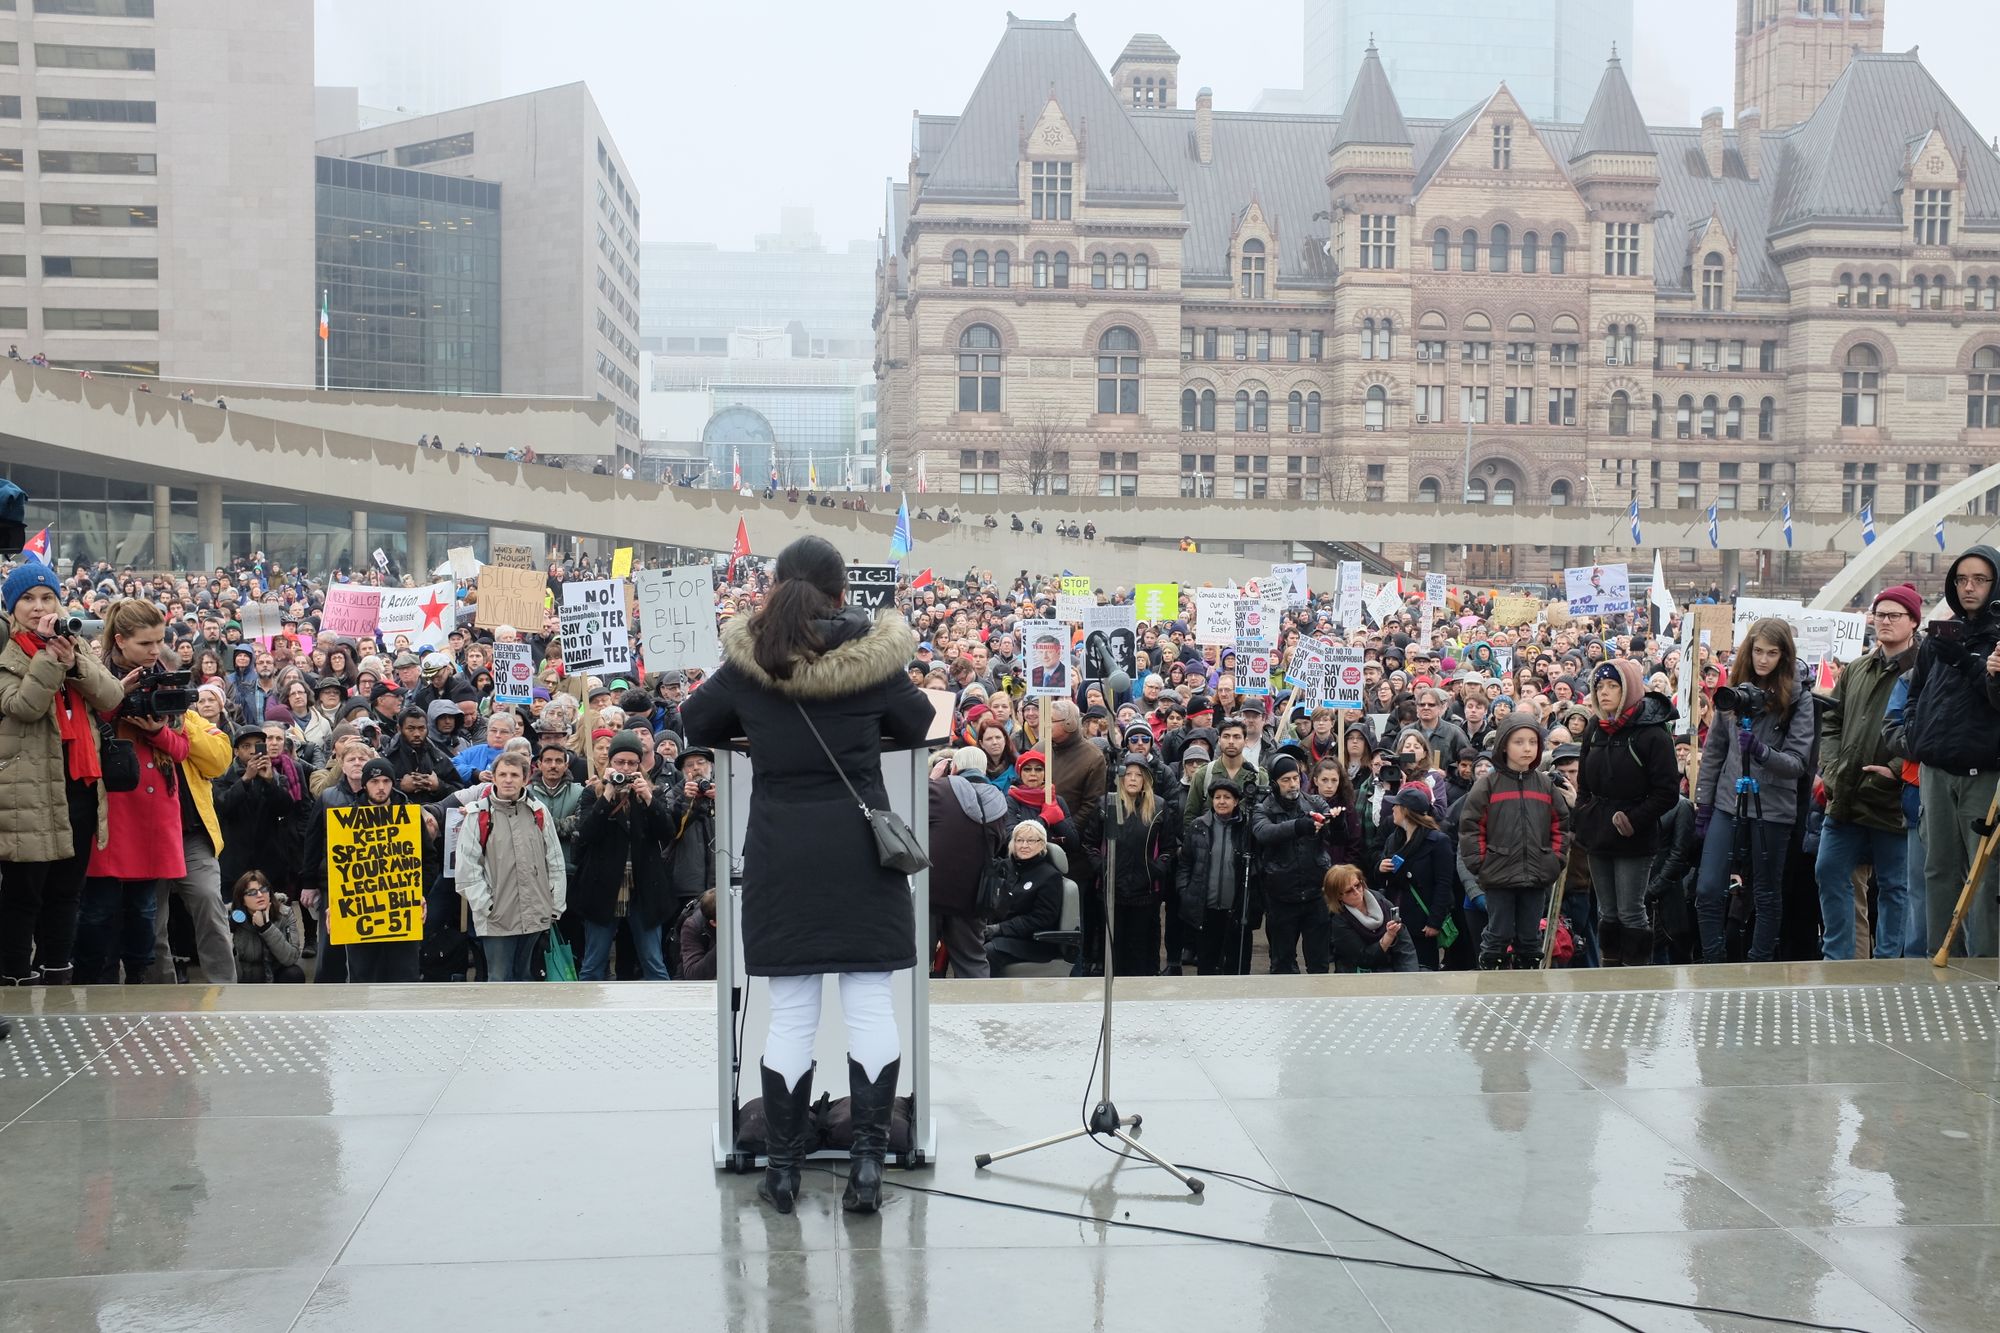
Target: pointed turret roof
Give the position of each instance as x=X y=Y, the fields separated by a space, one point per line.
x=1613 y=123
x=1372 y=116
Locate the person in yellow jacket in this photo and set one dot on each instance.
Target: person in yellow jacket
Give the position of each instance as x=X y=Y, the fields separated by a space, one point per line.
x=200 y=888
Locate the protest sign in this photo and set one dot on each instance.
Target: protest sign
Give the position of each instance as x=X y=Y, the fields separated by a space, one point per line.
x=1253 y=667
x=677 y=618
x=595 y=633
x=621 y=562
x=464 y=565
x=1434 y=600
x=1819 y=636
x=1350 y=594
x=509 y=596
x=427 y=610
x=1046 y=643
x=1276 y=596
x=1307 y=670
x=261 y=620
x=1120 y=627
x=453 y=817
x=1343 y=682
x=1386 y=602
x=514 y=557
x=374 y=874
x=1075 y=585
x=1510 y=610
x=350 y=611
x=1070 y=606
x=1157 y=603
x=1713 y=620
x=1298 y=589
x=382 y=560
x=1252 y=625
x=1598 y=590
x=870 y=587
x=513 y=673
x=1215 y=617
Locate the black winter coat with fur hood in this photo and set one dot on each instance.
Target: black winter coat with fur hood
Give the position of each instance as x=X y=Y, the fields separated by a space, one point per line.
x=815 y=896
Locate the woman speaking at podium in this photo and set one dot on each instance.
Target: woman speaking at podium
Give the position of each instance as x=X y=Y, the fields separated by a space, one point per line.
x=816 y=686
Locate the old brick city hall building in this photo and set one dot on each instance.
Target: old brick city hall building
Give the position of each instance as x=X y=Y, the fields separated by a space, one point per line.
x=1085 y=288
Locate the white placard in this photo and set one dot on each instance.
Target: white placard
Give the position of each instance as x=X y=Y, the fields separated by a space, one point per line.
x=677 y=618
x=1386 y=602
x=1306 y=672
x=1350 y=594
x=1819 y=635
x=1434 y=601
x=1276 y=597
x=1298 y=588
x=1120 y=627
x=1215 y=617
x=430 y=610
x=464 y=565
x=1045 y=644
x=261 y=620
x=1598 y=590
x=1344 y=679
x=595 y=636
x=513 y=673
x=1071 y=607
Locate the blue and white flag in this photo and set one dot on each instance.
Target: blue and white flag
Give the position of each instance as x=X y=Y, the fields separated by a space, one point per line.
x=1636 y=539
x=1788 y=525
x=899 y=541
x=1714 y=532
x=1939 y=534
x=1868 y=523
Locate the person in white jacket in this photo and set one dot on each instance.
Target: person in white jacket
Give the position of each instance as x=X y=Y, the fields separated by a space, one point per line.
x=510 y=870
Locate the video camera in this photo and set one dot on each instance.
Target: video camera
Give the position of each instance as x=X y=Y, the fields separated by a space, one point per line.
x=77 y=627
x=159 y=694
x=1746 y=701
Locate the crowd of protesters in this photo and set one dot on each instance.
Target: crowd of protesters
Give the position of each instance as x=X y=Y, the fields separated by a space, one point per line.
x=1508 y=796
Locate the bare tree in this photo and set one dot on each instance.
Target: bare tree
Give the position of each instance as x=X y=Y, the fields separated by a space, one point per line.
x=1036 y=454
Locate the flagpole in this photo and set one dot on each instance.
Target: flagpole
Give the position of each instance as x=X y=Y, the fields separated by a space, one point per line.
x=325 y=344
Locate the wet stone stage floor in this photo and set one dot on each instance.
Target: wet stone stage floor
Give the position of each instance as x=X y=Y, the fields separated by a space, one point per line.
x=1818 y=1142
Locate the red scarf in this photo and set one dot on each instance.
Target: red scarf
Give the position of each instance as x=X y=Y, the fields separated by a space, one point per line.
x=72 y=721
x=1613 y=725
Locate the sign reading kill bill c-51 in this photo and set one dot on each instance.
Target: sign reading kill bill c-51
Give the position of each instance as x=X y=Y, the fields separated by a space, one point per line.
x=374 y=874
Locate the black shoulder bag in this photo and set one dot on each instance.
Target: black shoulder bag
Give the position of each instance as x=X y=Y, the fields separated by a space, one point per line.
x=896 y=847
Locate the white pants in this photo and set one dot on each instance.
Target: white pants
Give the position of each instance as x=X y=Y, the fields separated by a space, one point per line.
x=865 y=1001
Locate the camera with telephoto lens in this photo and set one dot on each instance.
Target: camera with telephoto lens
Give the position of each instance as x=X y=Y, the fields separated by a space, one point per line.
x=159 y=694
x=1746 y=701
x=614 y=777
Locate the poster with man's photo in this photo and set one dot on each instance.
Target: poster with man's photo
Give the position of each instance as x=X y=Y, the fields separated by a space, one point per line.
x=1120 y=627
x=1046 y=646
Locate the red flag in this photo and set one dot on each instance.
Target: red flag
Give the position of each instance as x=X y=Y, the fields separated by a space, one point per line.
x=923 y=580
x=741 y=549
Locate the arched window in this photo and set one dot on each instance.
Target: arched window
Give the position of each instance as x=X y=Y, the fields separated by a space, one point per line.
x=1846 y=290
x=1684 y=417
x=1375 y=408
x=1100 y=276
x=1885 y=284
x=1982 y=390
x=1243 y=409
x=1468 y=250
x=979 y=268
x=1917 y=287
x=1501 y=244
x=1939 y=286
x=1295 y=410
x=1990 y=296
x=1440 y=250
x=1503 y=491
x=1559 y=494
x=1060 y=267
x=1767 y=419
x=1558 y=253
x=979 y=370
x=1041 y=268
x=1367 y=340
x=1253 y=270
x=1260 y=411
x=1002 y=274
x=1141 y=274
x=1118 y=371
x=1120 y=272
x=1312 y=412
x=1208 y=410
x=1711 y=280
x=1530 y=244
x=1658 y=412
x=1429 y=490
x=1621 y=413
x=1385 y=339
x=1861 y=387
x=1190 y=406
x=1708 y=412
x=1732 y=420
x=958 y=268
x=1475 y=492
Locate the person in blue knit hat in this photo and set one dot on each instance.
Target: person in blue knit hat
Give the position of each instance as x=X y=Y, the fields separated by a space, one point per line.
x=51 y=803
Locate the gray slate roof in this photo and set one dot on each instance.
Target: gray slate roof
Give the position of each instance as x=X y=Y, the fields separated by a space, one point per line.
x=1372 y=115
x=1147 y=46
x=1280 y=159
x=1613 y=123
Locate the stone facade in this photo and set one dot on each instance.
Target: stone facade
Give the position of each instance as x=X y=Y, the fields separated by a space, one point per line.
x=1586 y=315
x=1790 y=52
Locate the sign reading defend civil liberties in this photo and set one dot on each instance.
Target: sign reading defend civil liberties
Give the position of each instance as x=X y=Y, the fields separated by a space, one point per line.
x=870 y=587
x=677 y=617
x=374 y=874
x=350 y=611
x=1157 y=603
x=595 y=635
x=513 y=673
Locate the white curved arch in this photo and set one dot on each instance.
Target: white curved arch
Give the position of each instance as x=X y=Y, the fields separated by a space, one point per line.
x=1913 y=527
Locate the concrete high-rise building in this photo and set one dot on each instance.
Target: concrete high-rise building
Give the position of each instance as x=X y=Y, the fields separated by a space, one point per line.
x=699 y=294
x=1445 y=55
x=569 y=270
x=411 y=59
x=156 y=187
x=1790 y=52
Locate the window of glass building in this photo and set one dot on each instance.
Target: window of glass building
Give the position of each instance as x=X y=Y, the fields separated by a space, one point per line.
x=434 y=150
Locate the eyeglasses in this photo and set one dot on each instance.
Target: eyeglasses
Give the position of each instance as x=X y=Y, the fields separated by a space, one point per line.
x=1972 y=580
x=1892 y=615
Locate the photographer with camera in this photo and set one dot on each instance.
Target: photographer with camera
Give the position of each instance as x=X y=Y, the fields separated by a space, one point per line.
x=623 y=829
x=51 y=809
x=115 y=919
x=200 y=886
x=1746 y=796
x=268 y=936
x=691 y=858
x=424 y=772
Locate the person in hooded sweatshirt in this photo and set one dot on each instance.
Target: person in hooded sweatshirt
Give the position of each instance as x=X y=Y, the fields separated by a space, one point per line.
x=1512 y=837
x=1287 y=827
x=1951 y=729
x=967 y=815
x=1627 y=783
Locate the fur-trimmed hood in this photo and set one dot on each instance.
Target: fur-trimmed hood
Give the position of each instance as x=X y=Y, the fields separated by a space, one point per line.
x=861 y=654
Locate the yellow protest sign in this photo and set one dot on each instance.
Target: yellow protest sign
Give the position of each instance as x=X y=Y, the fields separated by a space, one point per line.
x=374 y=874
x=1515 y=610
x=1157 y=603
x=1076 y=585
x=621 y=562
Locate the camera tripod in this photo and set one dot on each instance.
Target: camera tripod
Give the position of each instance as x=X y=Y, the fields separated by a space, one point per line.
x=1104 y=1118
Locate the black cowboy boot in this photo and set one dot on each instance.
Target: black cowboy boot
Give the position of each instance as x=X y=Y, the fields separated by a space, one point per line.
x=1610 y=944
x=870 y=1105
x=784 y=1136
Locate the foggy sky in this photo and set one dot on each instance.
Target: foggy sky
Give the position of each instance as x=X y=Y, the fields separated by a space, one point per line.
x=726 y=112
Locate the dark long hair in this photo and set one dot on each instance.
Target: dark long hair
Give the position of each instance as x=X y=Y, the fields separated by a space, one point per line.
x=811 y=579
x=1784 y=680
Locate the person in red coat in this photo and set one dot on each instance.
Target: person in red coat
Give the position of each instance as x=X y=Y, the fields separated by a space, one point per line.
x=115 y=917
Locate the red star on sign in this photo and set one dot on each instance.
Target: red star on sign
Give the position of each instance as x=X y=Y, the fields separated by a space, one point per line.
x=433 y=608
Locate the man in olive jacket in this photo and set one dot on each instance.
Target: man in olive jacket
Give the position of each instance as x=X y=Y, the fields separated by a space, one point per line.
x=1864 y=791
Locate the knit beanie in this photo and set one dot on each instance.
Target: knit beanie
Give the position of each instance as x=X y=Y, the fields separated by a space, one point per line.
x=1902 y=594
x=1284 y=764
x=627 y=742
x=30 y=574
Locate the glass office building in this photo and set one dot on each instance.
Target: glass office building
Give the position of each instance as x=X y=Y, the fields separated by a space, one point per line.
x=410 y=262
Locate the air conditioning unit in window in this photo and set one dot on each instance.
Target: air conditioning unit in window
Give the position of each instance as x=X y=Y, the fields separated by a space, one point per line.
x=1610 y=360
x=1372 y=428
x=1423 y=354
x=1569 y=421
x=1296 y=429
x=1422 y=419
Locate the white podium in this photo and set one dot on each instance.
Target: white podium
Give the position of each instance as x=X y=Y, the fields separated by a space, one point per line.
x=742 y=1002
